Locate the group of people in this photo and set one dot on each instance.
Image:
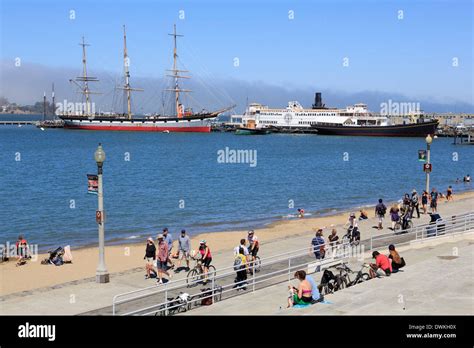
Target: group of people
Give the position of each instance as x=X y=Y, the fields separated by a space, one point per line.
x=410 y=204
x=386 y=265
x=161 y=255
x=244 y=259
x=308 y=291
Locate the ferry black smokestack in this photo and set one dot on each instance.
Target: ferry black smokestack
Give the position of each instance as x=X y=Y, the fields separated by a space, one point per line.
x=318 y=102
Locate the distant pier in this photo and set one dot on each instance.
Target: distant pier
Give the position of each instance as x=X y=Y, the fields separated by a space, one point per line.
x=17 y=123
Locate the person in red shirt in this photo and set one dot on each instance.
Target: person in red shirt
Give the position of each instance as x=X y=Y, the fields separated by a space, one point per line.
x=382 y=265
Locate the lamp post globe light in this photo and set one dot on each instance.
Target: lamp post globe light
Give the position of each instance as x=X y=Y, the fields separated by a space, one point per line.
x=428 y=140
x=101 y=275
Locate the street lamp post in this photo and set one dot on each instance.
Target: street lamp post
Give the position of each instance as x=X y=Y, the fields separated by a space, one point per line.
x=101 y=275
x=428 y=140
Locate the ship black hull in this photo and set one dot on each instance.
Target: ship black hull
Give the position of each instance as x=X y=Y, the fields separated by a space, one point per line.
x=402 y=130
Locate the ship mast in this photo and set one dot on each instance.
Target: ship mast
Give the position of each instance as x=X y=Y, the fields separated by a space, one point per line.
x=126 y=87
x=85 y=79
x=176 y=75
x=53 y=102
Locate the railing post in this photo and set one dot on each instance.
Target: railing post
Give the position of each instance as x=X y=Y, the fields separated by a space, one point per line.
x=253 y=278
x=371 y=244
x=289 y=269
x=213 y=285
x=166 y=302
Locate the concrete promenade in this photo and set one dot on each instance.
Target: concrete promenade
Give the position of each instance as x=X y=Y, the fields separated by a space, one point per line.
x=85 y=295
x=438 y=280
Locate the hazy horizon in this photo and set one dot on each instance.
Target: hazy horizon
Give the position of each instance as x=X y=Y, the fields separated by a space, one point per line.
x=266 y=52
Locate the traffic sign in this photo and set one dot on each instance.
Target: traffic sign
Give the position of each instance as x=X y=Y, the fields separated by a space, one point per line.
x=98 y=216
x=427 y=167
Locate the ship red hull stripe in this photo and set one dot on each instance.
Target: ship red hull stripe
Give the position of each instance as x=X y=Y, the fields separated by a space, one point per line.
x=197 y=129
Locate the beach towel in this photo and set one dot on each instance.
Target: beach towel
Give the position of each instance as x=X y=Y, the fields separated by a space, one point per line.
x=309 y=304
x=67 y=257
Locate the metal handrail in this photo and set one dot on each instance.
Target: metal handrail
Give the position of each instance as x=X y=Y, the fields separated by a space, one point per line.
x=464 y=221
x=170 y=284
x=231 y=272
x=267 y=276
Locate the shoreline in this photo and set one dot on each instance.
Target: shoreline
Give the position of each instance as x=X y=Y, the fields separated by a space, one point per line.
x=129 y=256
x=263 y=223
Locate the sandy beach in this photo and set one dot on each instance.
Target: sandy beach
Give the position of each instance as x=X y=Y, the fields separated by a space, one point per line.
x=121 y=258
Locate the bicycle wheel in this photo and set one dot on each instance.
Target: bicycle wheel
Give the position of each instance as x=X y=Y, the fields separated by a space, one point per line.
x=365 y=276
x=193 y=278
x=257 y=264
x=212 y=272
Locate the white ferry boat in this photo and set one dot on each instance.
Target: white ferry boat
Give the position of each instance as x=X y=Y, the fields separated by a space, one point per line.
x=295 y=116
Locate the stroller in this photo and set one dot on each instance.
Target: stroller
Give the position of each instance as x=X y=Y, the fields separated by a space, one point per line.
x=55 y=257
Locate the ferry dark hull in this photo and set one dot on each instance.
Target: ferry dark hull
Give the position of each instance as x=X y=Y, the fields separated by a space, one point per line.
x=402 y=130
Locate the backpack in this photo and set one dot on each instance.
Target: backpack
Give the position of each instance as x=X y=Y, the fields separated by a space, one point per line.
x=207 y=301
x=237 y=263
x=381 y=210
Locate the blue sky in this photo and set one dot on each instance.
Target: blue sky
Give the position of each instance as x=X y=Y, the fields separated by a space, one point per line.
x=412 y=56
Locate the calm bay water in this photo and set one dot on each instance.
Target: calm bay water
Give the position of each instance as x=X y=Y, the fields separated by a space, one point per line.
x=44 y=195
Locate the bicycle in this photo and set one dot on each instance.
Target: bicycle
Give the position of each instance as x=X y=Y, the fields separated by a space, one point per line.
x=195 y=275
x=399 y=225
x=360 y=276
x=255 y=265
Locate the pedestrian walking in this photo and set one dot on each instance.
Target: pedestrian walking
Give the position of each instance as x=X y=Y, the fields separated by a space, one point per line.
x=162 y=256
x=184 y=248
x=434 y=200
x=150 y=257
x=380 y=211
x=424 y=201
x=415 y=204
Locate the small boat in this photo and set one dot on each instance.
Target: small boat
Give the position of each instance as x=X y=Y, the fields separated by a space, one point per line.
x=251 y=129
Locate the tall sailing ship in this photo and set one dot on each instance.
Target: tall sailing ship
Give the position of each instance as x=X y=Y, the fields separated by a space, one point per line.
x=181 y=119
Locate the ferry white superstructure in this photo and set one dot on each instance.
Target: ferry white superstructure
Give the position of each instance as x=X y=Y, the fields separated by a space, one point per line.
x=296 y=116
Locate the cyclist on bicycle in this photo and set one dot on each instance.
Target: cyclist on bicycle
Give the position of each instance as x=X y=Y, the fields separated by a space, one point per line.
x=206 y=258
x=254 y=245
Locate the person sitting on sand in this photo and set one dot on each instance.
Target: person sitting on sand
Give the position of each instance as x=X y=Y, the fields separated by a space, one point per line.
x=363 y=215
x=301 y=295
x=150 y=256
x=382 y=265
x=301 y=213
x=397 y=261
x=21 y=248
